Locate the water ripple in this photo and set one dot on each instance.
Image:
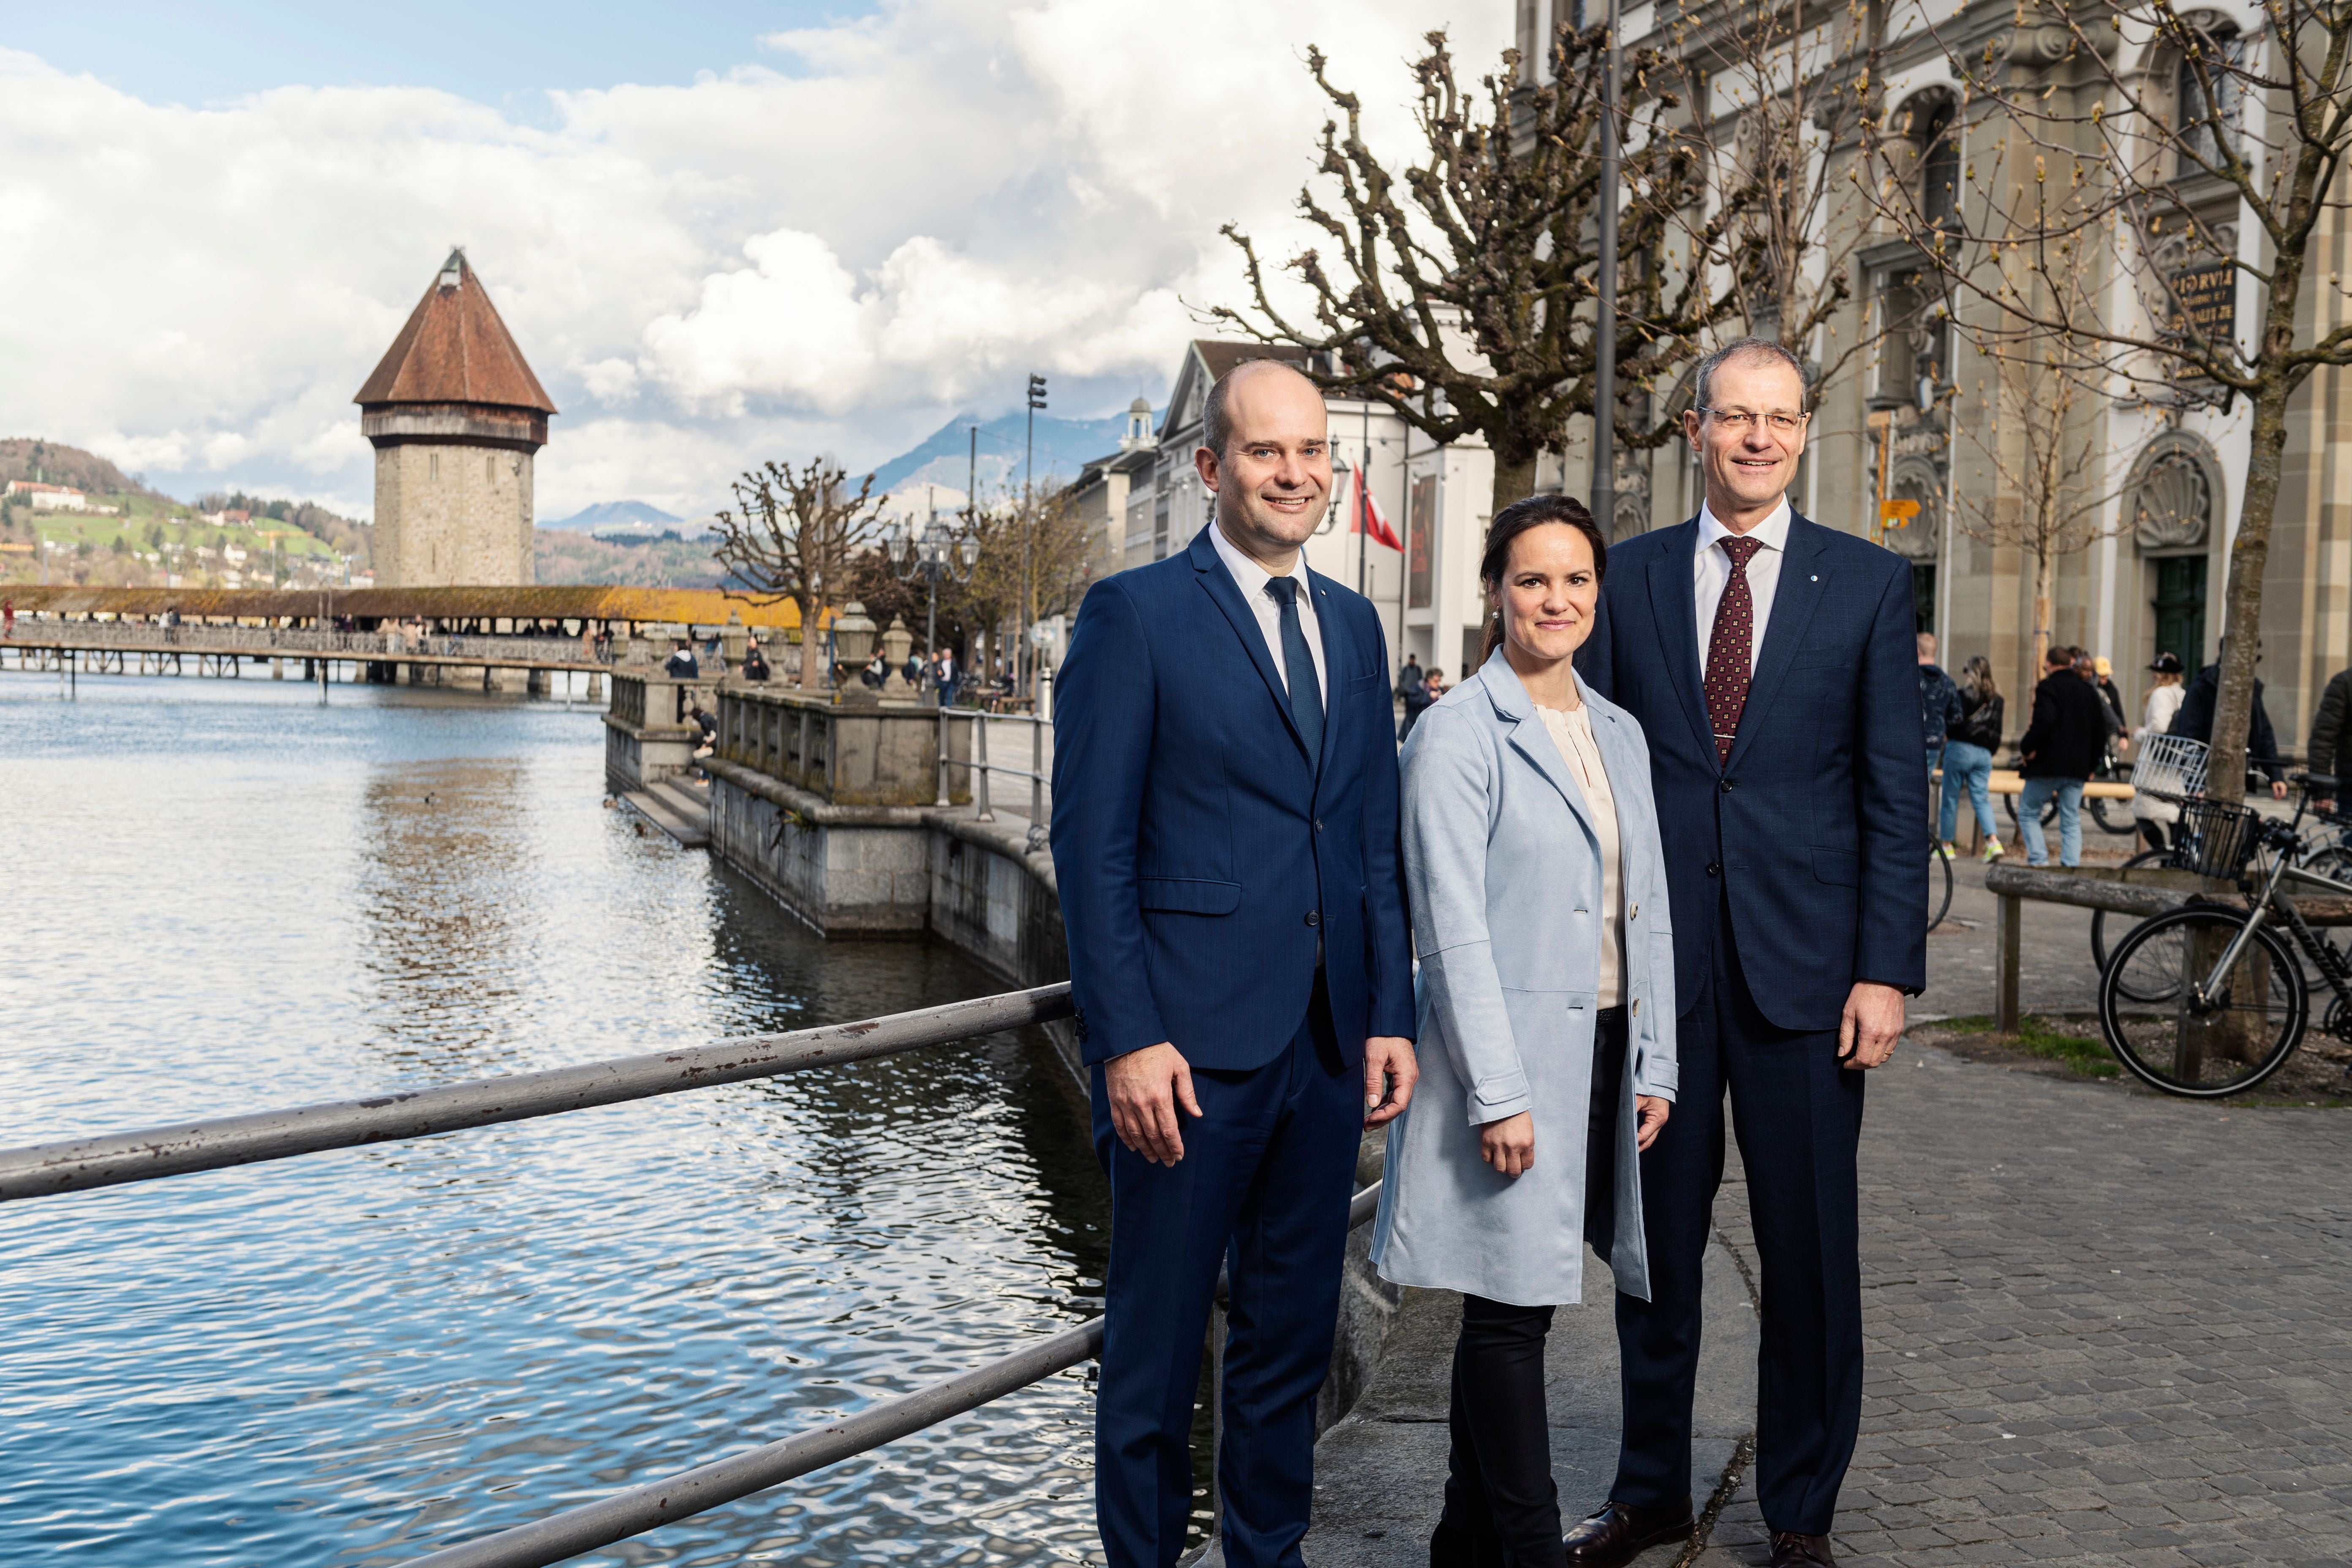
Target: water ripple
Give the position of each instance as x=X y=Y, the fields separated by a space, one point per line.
x=221 y=897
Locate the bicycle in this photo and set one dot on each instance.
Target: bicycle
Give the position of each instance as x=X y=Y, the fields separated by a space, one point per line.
x=2208 y=1000
x=2173 y=766
x=1938 y=903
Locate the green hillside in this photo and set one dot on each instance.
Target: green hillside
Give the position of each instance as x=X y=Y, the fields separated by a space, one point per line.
x=146 y=539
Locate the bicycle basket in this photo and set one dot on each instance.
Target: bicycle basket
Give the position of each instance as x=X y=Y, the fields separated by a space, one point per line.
x=2170 y=765
x=2225 y=837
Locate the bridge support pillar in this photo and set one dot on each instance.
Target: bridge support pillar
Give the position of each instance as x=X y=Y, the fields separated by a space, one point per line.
x=539 y=683
x=277 y=670
x=595 y=687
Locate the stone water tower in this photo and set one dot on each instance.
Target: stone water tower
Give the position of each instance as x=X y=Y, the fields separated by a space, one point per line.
x=455 y=418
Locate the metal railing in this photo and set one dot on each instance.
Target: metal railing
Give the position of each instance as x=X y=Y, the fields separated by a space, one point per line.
x=980 y=767
x=79 y=1164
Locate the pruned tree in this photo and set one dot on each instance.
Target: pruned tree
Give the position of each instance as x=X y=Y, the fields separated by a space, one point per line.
x=1460 y=294
x=793 y=533
x=2045 y=480
x=2149 y=195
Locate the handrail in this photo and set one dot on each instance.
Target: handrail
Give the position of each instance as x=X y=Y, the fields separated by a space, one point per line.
x=111 y=1159
x=656 y=1503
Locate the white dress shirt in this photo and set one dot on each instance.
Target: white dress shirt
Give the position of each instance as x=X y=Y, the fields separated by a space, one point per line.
x=1252 y=578
x=1711 y=574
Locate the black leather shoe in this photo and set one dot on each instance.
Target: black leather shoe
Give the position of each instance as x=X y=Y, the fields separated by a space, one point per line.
x=1618 y=1533
x=1791 y=1550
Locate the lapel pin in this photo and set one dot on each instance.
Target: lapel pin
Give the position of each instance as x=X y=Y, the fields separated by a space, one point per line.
x=1817 y=579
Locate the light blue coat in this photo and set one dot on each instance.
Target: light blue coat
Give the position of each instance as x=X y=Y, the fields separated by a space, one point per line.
x=1503 y=871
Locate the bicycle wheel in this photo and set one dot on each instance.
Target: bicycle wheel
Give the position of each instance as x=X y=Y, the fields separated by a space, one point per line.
x=2112 y=816
x=1940 y=884
x=2159 y=858
x=2227 y=1043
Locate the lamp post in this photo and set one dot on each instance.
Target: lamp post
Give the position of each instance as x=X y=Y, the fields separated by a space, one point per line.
x=937 y=551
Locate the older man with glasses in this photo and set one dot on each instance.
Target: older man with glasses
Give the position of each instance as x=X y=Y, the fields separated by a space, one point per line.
x=1770 y=663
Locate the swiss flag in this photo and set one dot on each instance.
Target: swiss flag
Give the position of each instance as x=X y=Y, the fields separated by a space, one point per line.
x=1365 y=518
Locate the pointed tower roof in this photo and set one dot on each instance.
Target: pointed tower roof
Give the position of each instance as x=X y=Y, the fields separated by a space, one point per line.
x=455 y=350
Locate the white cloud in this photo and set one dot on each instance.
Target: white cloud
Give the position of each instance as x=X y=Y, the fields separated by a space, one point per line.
x=927 y=205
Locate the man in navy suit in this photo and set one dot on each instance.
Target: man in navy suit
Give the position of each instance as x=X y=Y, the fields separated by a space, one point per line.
x=1770 y=662
x=1225 y=842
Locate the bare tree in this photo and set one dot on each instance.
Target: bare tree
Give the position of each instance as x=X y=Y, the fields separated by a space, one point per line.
x=793 y=533
x=1037 y=558
x=2127 y=142
x=1460 y=294
x=1782 y=107
x=2051 y=476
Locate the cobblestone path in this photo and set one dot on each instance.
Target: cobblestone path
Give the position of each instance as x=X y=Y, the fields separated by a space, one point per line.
x=2104 y=1328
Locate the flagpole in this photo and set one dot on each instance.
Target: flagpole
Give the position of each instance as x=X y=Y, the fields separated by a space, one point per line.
x=1363 y=493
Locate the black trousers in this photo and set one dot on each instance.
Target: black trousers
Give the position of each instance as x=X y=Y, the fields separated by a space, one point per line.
x=1799 y=1118
x=1501 y=1508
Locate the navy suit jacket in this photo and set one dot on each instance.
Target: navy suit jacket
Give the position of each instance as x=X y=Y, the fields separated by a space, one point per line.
x=1817 y=825
x=1199 y=850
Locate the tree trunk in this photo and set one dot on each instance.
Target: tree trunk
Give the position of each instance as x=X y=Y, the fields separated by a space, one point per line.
x=812 y=644
x=2242 y=613
x=2045 y=567
x=1515 y=481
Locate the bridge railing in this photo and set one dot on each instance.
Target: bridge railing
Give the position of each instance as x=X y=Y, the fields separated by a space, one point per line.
x=300 y=642
x=80 y=1164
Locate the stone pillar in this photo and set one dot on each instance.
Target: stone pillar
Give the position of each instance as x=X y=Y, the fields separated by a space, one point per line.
x=277 y=670
x=897 y=643
x=540 y=683
x=595 y=687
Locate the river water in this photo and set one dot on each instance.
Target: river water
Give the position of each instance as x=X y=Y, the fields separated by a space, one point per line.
x=220 y=898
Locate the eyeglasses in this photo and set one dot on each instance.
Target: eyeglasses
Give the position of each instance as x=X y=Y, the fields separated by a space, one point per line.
x=1740 y=424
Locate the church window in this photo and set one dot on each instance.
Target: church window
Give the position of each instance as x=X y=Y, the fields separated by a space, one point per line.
x=2208 y=121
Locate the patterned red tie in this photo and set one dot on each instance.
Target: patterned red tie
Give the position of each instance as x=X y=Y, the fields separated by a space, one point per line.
x=1731 y=648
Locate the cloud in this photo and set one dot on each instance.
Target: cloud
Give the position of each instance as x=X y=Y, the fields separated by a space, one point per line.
x=834 y=246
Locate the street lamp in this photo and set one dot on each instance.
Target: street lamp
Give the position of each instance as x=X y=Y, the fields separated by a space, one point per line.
x=933 y=553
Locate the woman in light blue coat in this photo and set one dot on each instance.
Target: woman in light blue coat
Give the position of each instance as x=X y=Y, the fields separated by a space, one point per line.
x=1547 y=1006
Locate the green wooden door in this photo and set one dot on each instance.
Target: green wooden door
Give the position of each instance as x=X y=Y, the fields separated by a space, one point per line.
x=2180 y=609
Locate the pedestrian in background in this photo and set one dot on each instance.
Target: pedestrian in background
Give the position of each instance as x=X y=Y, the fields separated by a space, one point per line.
x=2330 y=751
x=1968 y=757
x=2111 y=717
x=2155 y=716
x=2195 y=720
x=2062 y=749
x=2102 y=677
x=1939 y=707
x=1417 y=697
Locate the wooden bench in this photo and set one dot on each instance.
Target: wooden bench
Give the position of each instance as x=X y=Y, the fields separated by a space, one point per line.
x=2139 y=891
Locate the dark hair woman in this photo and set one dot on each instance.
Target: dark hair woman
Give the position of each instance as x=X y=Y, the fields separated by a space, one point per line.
x=1538 y=901
x=1516 y=519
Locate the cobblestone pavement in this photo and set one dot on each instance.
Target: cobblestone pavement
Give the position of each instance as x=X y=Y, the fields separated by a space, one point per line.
x=2104 y=1328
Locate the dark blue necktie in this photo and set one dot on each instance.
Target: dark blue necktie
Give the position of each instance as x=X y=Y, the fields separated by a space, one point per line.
x=1298 y=668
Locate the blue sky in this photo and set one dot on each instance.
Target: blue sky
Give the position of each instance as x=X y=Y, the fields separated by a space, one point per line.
x=722 y=234
x=509 y=56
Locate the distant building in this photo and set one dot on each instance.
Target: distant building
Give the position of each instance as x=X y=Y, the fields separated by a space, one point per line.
x=1436 y=498
x=456 y=419
x=55 y=497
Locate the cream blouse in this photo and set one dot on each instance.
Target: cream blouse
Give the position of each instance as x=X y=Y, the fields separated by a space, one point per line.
x=1572 y=734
